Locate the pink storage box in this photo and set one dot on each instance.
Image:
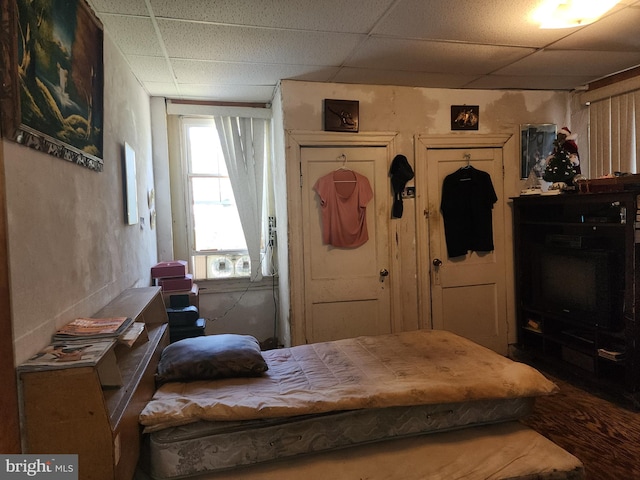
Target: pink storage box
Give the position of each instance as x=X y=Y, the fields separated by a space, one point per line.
x=176 y=268
x=176 y=283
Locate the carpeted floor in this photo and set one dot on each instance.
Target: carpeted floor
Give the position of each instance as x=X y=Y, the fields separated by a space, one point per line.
x=602 y=432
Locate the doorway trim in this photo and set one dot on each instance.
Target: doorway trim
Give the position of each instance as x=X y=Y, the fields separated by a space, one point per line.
x=10 y=439
x=422 y=144
x=295 y=141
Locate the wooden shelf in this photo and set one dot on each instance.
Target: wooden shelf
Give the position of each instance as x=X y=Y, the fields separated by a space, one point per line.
x=590 y=225
x=68 y=411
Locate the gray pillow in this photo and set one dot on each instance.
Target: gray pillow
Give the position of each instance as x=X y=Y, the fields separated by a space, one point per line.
x=209 y=357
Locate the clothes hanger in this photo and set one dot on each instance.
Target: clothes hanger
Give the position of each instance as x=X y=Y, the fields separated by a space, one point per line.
x=343 y=157
x=465 y=169
x=467 y=157
x=344 y=168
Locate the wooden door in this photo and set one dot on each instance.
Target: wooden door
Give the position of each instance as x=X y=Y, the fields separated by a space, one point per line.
x=345 y=294
x=468 y=293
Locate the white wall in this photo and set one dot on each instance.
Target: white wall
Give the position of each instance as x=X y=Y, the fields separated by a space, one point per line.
x=240 y=307
x=415 y=111
x=69 y=247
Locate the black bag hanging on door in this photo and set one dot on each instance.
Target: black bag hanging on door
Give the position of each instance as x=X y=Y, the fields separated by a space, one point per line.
x=400 y=172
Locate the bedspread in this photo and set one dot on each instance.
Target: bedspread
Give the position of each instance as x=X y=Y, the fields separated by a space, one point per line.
x=409 y=368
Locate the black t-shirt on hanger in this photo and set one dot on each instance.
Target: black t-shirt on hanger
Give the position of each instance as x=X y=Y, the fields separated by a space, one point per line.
x=467 y=203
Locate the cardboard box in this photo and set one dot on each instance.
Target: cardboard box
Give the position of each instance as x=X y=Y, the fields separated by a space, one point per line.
x=609 y=184
x=173 y=284
x=176 y=268
x=193 y=295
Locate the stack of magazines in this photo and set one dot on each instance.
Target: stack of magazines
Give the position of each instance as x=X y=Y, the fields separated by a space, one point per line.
x=70 y=354
x=88 y=342
x=93 y=328
x=610 y=354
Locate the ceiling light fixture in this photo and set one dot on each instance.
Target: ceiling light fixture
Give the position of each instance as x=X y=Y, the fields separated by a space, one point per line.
x=571 y=13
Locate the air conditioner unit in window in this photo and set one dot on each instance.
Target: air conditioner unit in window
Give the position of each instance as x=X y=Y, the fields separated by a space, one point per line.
x=243 y=266
x=220 y=267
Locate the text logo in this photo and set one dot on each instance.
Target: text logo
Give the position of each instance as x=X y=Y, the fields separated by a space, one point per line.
x=50 y=467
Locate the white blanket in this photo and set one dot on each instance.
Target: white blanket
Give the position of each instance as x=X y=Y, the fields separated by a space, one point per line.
x=409 y=368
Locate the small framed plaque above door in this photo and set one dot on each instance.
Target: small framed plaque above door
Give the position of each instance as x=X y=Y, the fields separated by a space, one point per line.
x=341 y=115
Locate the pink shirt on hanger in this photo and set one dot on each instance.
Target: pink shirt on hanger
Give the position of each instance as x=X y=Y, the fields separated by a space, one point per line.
x=344 y=195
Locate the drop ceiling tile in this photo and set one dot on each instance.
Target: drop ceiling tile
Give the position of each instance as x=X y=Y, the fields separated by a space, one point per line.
x=227 y=93
x=134 y=35
x=529 y=82
x=563 y=62
x=121 y=7
x=221 y=73
x=154 y=69
x=315 y=74
x=435 y=57
x=502 y=22
x=373 y=42
x=257 y=45
x=617 y=32
x=158 y=89
x=368 y=76
x=325 y=15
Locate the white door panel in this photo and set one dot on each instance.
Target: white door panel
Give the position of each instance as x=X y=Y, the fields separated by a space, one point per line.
x=345 y=296
x=468 y=293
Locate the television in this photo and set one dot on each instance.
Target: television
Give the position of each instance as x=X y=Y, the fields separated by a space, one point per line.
x=580 y=285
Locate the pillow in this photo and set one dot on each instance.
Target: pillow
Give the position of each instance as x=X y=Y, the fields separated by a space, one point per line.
x=209 y=357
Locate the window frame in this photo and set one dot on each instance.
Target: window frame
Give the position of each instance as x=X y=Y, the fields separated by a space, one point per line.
x=186 y=122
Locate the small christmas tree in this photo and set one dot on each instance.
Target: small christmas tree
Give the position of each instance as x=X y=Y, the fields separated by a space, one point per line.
x=559 y=167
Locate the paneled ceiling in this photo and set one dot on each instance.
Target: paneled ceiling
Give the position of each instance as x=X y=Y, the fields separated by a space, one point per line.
x=238 y=50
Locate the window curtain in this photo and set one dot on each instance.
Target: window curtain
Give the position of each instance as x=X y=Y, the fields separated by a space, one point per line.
x=614 y=134
x=244 y=145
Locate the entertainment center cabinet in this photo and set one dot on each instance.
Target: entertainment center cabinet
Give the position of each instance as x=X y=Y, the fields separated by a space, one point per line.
x=577 y=292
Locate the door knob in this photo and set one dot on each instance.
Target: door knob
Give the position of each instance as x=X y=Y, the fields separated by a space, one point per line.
x=437 y=262
x=384 y=272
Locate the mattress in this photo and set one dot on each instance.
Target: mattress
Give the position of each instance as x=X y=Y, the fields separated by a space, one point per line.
x=423 y=367
x=196 y=448
x=504 y=451
x=332 y=395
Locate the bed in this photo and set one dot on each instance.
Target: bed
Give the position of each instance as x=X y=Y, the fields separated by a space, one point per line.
x=324 y=397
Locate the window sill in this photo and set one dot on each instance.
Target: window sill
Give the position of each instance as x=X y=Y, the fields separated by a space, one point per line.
x=231 y=285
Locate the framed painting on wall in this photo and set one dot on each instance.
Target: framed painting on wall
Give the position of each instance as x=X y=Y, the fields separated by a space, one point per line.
x=130 y=185
x=52 y=77
x=465 y=117
x=536 y=144
x=341 y=115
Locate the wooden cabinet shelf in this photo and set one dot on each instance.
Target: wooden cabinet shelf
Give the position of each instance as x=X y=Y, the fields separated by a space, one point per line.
x=68 y=411
x=574 y=224
x=591 y=325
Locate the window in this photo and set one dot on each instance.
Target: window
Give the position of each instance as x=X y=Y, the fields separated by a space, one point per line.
x=614 y=139
x=216 y=238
